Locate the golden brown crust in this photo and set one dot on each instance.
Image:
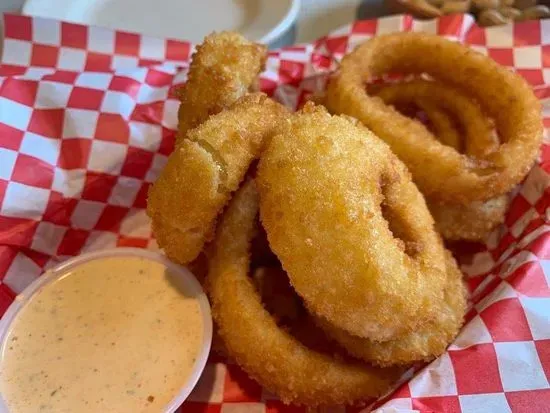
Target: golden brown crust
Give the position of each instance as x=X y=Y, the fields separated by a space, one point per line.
x=273 y=357
x=438 y=170
x=224 y=68
x=447 y=108
x=350 y=228
x=470 y=222
x=424 y=344
x=475 y=137
x=204 y=170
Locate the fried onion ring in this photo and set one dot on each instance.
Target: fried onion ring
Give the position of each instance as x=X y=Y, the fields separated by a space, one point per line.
x=269 y=354
x=204 y=170
x=473 y=221
x=224 y=68
x=424 y=344
x=470 y=222
x=331 y=193
x=434 y=97
x=440 y=171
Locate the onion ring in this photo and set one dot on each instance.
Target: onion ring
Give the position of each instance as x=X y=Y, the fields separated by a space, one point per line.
x=266 y=352
x=469 y=222
x=204 y=170
x=349 y=227
x=433 y=97
x=436 y=119
x=428 y=342
x=455 y=221
x=440 y=171
x=224 y=68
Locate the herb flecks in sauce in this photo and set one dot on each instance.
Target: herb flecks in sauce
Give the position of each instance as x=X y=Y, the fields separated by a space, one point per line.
x=94 y=323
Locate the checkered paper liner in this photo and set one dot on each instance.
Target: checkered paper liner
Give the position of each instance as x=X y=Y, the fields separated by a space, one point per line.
x=87 y=120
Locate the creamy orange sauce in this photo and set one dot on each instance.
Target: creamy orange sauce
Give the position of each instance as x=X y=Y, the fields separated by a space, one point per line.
x=113 y=335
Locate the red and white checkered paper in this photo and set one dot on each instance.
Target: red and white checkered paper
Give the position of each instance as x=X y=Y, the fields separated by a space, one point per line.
x=87 y=119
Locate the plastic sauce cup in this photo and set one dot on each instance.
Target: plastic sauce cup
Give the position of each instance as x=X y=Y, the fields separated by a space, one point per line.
x=183 y=275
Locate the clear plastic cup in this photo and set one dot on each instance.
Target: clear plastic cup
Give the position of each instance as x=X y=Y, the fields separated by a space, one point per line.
x=187 y=278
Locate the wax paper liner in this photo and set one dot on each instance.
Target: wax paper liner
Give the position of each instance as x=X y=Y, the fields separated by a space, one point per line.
x=87 y=119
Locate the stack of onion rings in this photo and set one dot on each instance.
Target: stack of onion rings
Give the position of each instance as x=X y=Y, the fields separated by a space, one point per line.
x=268 y=353
x=364 y=263
x=459 y=122
x=497 y=114
x=338 y=206
x=447 y=109
x=440 y=171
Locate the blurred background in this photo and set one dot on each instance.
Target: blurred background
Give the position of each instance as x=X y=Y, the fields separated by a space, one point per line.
x=316 y=17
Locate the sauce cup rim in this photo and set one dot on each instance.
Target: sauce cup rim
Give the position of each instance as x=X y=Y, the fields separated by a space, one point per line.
x=51 y=275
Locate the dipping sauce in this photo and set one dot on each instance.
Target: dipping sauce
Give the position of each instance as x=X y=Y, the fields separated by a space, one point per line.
x=116 y=334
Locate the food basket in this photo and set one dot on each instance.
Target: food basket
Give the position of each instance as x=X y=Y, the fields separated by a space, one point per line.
x=88 y=117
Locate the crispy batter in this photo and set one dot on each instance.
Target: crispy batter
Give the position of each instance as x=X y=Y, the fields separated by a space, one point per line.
x=442 y=124
x=204 y=170
x=440 y=171
x=350 y=228
x=470 y=222
x=436 y=98
x=224 y=68
x=424 y=344
x=269 y=354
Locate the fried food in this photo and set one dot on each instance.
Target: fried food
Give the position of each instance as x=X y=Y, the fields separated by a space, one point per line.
x=424 y=344
x=224 y=68
x=349 y=227
x=269 y=354
x=442 y=125
x=440 y=171
x=470 y=222
x=204 y=170
x=348 y=281
x=444 y=105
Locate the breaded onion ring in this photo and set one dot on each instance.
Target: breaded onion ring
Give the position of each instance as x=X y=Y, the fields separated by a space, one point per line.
x=204 y=170
x=440 y=171
x=478 y=138
x=331 y=193
x=424 y=344
x=269 y=354
x=470 y=222
x=224 y=68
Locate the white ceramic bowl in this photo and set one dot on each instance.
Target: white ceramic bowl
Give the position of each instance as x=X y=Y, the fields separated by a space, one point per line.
x=186 y=277
x=263 y=21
